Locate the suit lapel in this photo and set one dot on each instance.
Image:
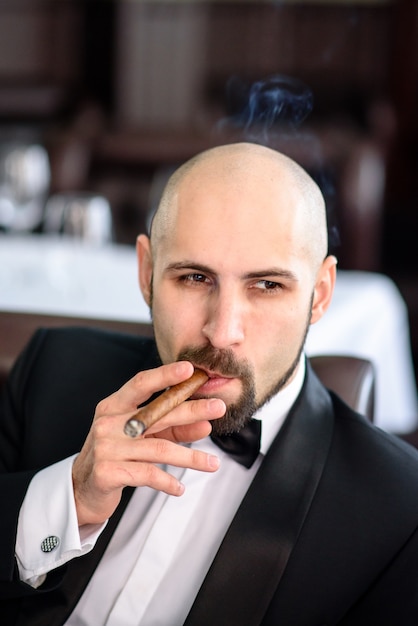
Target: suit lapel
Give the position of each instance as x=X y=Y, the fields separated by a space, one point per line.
x=260 y=540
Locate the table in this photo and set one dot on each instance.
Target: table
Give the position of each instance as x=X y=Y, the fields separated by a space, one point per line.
x=65 y=277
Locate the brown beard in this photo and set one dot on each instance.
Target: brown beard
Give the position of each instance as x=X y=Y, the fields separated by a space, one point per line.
x=225 y=363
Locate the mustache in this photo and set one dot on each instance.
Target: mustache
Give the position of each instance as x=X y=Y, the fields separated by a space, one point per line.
x=223 y=362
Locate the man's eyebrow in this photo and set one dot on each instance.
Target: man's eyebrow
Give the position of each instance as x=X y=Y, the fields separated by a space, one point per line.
x=271 y=272
x=189 y=265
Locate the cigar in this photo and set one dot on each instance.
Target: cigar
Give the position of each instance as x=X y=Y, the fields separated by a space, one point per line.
x=166 y=402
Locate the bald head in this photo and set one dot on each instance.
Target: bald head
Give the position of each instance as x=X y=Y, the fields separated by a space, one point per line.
x=237 y=167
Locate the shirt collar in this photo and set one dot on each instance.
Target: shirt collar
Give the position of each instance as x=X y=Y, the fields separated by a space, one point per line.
x=274 y=412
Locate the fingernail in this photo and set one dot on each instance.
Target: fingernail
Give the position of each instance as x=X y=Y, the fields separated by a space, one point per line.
x=181 y=367
x=215 y=404
x=213 y=461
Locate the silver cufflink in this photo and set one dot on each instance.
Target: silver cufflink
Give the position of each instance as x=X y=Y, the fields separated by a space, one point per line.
x=50 y=543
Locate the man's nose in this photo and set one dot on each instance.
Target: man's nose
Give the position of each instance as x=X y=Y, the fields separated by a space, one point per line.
x=224 y=325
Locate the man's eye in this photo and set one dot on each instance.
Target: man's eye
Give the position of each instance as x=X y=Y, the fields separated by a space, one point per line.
x=268 y=285
x=194 y=278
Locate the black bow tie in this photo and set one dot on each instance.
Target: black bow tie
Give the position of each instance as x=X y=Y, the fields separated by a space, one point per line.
x=243 y=446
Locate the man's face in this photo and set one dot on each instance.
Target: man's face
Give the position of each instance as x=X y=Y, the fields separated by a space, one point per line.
x=232 y=290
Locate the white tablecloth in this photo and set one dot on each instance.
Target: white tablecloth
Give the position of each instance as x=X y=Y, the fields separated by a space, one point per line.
x=367 y=317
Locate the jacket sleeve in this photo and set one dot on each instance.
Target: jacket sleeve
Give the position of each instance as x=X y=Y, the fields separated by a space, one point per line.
x=46 y=409
x=14 y=479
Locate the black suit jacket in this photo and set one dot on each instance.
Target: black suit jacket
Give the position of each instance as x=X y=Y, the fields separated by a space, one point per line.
x=327 y=533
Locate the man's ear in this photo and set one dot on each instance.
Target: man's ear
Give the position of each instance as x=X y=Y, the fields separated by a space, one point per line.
x=144 y=256
x=324 y=288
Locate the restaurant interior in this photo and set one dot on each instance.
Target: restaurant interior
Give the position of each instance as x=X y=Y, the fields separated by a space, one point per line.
x=101 y=99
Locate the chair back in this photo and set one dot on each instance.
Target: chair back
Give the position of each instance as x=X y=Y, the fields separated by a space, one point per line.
x=352 y=378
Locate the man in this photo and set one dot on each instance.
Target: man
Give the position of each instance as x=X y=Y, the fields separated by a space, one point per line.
x=321 y=528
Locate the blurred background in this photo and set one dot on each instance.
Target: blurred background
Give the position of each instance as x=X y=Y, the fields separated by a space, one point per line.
x=101 y=99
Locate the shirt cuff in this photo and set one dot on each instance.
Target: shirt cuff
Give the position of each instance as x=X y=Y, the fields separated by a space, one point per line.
x=48 y=534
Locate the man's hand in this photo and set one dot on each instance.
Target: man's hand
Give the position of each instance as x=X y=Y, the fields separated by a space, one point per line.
x=110 y=460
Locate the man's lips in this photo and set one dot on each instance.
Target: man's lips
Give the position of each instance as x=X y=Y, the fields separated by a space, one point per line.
x=216 y=381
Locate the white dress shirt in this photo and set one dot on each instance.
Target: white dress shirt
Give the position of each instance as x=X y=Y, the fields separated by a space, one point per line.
x=163 y=546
